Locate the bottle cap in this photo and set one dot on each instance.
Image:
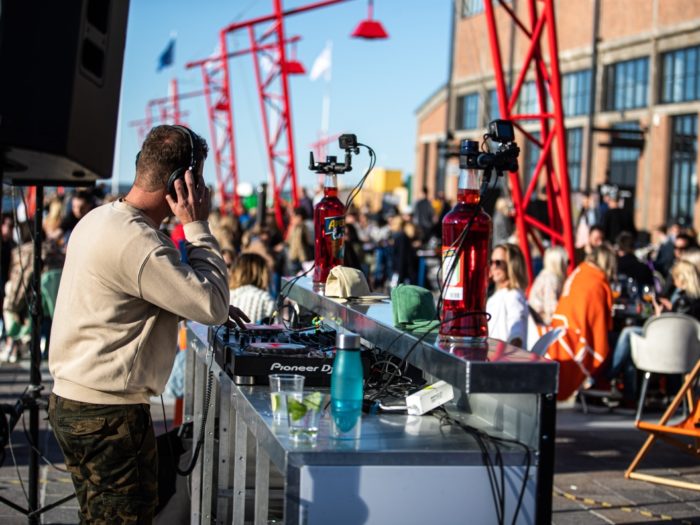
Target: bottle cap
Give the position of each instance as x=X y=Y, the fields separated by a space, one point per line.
x=347 y=341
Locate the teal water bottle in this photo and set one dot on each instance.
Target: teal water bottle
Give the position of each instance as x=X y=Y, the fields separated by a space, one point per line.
x=346 y=388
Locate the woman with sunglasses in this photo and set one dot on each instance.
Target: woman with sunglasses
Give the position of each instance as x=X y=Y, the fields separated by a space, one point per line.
x=507 y=307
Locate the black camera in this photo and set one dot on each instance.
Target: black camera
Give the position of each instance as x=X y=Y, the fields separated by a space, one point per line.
x=348 y=142
x=504 y=154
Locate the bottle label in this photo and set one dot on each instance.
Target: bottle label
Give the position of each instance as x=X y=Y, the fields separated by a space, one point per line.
x=334 y=227
x=455 y=287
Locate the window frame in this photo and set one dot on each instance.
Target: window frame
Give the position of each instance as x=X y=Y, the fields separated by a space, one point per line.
x=682 y=82
x=623 y=87
x=687 y=192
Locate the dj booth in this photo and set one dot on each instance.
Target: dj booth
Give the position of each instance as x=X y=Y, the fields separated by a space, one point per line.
x=403 y=469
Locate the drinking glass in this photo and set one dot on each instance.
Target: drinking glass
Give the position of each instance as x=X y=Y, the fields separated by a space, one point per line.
x=281 y=385
x=616 y=288
x=304 y=414
x=648 y=293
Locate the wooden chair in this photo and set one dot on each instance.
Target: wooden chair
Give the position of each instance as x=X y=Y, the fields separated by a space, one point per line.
x=670 y=345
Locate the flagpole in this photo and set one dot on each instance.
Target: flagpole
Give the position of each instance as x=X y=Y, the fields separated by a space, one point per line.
x=326 y=103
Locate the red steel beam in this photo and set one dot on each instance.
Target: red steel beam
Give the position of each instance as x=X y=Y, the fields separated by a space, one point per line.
x=552 y=165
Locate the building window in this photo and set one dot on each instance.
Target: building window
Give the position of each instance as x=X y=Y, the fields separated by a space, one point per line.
x=475 y=7
x=528 y=103
x=623 y=160
x=493 y=109
x=574 y=147
x=468 y=111
x=681 y=75
x=576 y=93
x=472 y=7
x=532 y=157
x=626 y=84
x=683 y=184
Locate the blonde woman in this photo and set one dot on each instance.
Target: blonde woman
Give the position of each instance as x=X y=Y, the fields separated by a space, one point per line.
x=507 y=306
x=546 y=289
x=249 y=282
x=686 y=300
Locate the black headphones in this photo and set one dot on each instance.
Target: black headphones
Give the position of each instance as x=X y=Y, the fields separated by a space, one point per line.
x=179 y=173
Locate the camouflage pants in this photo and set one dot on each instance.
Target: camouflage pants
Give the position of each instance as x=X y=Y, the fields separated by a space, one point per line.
x=110 y=451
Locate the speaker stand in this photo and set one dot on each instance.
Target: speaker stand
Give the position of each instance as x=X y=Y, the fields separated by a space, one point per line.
x=31 y=399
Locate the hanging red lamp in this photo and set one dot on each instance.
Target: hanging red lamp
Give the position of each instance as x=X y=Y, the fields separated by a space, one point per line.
x=292 y=66
x=370 y=29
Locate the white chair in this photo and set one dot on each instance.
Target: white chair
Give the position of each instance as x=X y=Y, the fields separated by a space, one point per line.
x=670 y=344
x=546 y=340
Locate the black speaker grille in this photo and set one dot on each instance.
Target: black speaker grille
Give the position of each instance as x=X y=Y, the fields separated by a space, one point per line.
x=98 y=14
x=92 y=59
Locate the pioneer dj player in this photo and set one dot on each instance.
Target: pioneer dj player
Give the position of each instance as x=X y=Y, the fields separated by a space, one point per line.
x=249 y=355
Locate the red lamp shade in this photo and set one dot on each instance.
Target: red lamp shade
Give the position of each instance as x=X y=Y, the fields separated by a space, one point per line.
x=370 y=30
x=294 y=67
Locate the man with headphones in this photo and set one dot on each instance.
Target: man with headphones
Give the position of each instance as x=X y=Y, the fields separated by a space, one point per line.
x=114 y=336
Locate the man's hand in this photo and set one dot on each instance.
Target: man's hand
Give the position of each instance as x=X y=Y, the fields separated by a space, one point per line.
x=194 y=206
x=236 y=317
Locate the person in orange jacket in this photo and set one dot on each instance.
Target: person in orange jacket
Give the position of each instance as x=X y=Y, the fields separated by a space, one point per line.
x=585 y=312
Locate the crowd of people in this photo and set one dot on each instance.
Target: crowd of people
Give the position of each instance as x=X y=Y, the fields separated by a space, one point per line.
x=130 y=267
x=385 y=244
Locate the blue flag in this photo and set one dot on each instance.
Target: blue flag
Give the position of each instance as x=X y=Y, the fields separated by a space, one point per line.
x=167 y=57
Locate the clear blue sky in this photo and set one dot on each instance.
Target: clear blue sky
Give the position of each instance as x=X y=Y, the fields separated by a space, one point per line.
x=375 y=89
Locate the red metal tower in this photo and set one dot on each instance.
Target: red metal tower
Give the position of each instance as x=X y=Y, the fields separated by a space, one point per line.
x=217 y=95
x=166 y=109
x=552 y=164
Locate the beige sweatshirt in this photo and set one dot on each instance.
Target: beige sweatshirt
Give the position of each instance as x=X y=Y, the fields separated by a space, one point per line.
x=123 y=288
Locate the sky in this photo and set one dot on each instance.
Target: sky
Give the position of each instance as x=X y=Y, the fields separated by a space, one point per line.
x=375 y=87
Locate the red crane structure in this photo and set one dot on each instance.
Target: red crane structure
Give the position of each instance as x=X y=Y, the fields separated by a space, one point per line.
x=166 y=109
x=267 y=39
x=266 y=35
x=552 y=164
x=217 y=95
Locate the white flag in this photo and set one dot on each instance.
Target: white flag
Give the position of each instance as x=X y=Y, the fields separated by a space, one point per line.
x=322 y=64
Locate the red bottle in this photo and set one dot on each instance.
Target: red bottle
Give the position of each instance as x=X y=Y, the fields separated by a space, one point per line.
x=466 y=290
x=329 y=230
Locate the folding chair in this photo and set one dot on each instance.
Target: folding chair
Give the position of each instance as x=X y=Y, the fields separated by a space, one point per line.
x=669 y=345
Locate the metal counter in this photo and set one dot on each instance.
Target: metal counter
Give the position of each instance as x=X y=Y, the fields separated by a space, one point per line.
x=493 y=368
x=403 y=469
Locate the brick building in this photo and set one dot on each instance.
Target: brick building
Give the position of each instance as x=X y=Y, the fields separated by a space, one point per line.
x=646 y=77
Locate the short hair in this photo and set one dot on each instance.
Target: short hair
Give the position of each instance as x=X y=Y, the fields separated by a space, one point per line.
x=625 y=242
x=596 y=227
x=250 y=268
x=690 y=240
x=166 y=149
x=687 y=274
x=556 y=260
x=515 y=266
x=604 y=258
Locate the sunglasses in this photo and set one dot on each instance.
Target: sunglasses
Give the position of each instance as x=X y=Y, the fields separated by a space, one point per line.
x=680 y=248
x=498 y=263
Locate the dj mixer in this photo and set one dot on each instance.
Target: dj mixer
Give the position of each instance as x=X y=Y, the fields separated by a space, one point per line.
x=249 y=355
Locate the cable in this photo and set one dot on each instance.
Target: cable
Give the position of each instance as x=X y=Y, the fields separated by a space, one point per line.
x=482 y=438
x=358 y=187
x=39 y=453
x=14 y=460
x=404 y=360
x=287 y=287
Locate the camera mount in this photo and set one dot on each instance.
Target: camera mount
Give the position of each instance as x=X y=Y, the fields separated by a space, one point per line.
x=347 y=142
x=503 y=155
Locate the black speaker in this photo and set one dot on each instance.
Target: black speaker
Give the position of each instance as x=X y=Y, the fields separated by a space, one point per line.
x=61 y=69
